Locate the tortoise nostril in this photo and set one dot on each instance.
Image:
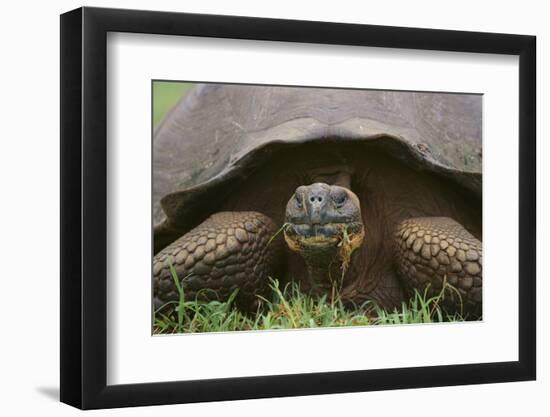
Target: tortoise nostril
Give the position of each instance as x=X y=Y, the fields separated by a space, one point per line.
x=317 y=194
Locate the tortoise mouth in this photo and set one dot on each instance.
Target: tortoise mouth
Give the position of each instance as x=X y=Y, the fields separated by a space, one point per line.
x=307 y=237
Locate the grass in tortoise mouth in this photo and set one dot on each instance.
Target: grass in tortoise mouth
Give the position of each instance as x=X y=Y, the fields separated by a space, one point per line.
x=283 y=228
x=346 y=248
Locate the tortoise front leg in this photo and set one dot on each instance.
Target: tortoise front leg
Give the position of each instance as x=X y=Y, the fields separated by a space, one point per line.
x=228 y=251
x=430 y=250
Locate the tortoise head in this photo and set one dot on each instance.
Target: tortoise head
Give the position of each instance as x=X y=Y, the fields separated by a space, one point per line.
x=323 y=225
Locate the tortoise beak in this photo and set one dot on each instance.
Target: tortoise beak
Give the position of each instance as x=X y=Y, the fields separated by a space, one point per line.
x=300 y=236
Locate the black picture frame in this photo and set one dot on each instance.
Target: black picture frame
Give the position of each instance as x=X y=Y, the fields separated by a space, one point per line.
x=84 y=207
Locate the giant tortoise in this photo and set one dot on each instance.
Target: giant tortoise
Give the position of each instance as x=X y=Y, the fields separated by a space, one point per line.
x=376 y=193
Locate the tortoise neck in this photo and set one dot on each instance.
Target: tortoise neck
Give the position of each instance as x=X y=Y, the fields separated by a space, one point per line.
x=323 y=271
x=337 y=175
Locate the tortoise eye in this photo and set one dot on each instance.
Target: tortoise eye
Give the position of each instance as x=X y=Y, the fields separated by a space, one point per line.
x=339 y=198
x=298 y=200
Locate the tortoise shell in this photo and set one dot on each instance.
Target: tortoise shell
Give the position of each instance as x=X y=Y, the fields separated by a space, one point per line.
x=219 y=132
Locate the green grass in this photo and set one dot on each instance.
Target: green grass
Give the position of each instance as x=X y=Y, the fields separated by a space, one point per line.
x=289 y=308
x=165 y=95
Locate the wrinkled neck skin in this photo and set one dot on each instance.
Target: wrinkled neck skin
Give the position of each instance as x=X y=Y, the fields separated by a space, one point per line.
x=334 y=175
x=324 y=268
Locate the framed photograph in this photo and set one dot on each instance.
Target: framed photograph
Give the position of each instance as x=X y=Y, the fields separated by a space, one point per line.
x=259 y=208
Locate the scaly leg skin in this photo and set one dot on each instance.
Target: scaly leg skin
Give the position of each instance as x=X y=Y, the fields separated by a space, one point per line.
x=432 y=249
x=228 y=251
